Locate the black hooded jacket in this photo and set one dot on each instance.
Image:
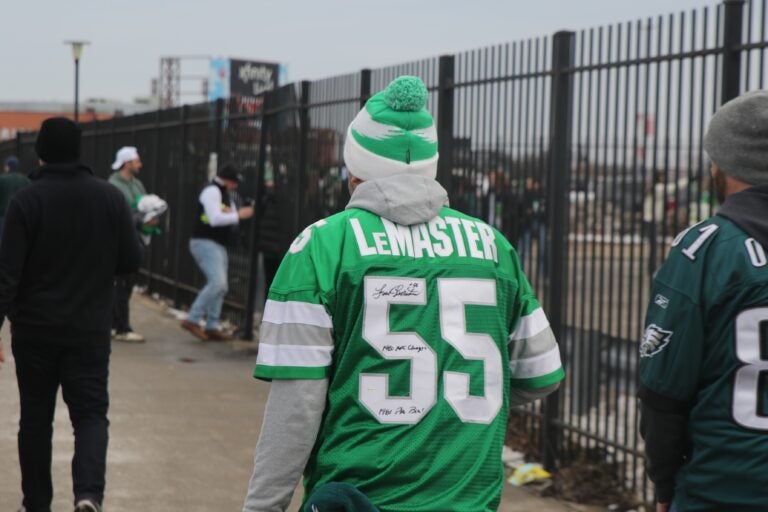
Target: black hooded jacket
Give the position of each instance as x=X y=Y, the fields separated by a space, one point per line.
x=65 y=238
x=748 y=209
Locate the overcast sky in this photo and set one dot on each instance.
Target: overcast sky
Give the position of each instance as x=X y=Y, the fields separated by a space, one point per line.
x=315 y=38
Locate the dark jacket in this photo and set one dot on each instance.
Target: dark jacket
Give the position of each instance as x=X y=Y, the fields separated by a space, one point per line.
x=223 y=235
x=65 y=238
x=664 y=421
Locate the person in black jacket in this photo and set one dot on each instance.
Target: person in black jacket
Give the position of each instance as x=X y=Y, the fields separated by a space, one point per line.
x=217 y=217
x=66 y=236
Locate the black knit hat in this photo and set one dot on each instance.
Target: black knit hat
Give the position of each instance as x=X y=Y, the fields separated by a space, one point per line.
x=58 y=141
x=230 y=172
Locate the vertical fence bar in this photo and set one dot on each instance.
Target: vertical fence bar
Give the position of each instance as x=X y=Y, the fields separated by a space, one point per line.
x=218 y=126
x=180 y=213
x=445 y=119
x=250 y=300
x=732 y=33
x=18 y=145
x=304 y=128
x=561 y=113
x=151 y=260
x=365 y=86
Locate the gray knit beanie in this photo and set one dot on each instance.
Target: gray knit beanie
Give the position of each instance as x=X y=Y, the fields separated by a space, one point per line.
x=737 y=138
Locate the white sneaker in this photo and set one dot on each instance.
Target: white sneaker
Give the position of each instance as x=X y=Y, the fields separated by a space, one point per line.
x=87 y=506
x=129 y=337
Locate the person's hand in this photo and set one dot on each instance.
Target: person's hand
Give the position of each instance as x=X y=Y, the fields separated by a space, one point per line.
x=226 y=209
x=245 y=212
x=662 y=507
x=154 y=221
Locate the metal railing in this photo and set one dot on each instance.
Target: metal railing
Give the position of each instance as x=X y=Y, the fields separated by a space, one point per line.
x=584 y=149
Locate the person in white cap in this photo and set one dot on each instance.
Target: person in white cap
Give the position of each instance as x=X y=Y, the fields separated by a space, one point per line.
x=127 y=166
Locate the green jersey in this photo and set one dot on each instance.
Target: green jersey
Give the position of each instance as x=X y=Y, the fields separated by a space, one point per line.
x=131 y=189
x=420 y=331
x=706 y=345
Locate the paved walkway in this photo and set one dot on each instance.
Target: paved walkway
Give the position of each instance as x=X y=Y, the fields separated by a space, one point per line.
x=185 y=417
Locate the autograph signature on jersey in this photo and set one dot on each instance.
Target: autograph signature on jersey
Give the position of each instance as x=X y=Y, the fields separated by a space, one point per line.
x=399 y=290
x=654 y=340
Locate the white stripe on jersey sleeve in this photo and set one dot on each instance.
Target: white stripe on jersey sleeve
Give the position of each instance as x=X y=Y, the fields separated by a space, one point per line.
x=293 y=355
x=294 y=312
x=530 y=325
x=536 y=366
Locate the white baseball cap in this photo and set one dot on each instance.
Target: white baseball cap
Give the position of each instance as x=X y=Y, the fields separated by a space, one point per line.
x=125 y=154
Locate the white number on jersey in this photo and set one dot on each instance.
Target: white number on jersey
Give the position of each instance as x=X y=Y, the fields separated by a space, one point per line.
x=706 y=232
x=746 y=383
x=453 y=295
x=756 y=252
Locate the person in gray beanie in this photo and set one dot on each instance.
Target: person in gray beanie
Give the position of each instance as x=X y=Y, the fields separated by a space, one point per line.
x=704 y=403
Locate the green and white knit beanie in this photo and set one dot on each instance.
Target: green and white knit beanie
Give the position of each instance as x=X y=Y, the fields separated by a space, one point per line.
x=393 y=134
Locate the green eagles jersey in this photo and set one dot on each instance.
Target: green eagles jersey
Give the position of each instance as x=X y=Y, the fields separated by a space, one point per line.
x=420 y=330
x=706 y=344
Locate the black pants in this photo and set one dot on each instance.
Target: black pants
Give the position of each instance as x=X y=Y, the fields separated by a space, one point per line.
x=82 y=370
x=121 y=299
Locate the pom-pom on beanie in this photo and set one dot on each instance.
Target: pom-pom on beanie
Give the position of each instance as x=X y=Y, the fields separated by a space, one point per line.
x=393 y=134
x=58 y=141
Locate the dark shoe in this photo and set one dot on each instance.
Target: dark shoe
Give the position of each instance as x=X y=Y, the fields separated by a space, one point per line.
x=215 y=335
x=195 y=329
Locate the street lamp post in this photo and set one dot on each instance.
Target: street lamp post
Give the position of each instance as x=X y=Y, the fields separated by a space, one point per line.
x=77 y=50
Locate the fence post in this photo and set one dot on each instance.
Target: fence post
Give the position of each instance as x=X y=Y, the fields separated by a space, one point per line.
x=365 y=94
x=18 y=145
x=250 y=302
x=149 y=260
x=732 y=31
x=180 y=213
x=95 y=154
x=561 y=117
x=445 y=121
x=217 y=131
x=304 y=130
x=365 y=86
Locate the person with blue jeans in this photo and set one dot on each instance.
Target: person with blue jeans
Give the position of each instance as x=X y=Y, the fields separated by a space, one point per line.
x=218 y=216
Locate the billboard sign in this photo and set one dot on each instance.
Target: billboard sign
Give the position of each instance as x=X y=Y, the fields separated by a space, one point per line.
x=218 y=79
x=241 y=79
x=252 y=78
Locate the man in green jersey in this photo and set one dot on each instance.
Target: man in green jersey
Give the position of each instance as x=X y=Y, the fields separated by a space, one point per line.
x=127 y=166
x=704 y=354
x=397 y=334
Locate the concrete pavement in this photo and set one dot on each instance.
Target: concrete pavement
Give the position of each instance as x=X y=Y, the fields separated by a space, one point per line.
x=185 y=417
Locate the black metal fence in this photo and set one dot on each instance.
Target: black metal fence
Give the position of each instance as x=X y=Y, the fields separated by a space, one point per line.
x=583 y=148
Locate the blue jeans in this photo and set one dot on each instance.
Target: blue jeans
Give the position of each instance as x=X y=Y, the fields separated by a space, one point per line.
x=211 y=257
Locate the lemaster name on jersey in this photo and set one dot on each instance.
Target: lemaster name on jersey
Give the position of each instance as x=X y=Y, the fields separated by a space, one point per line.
x=440 y=237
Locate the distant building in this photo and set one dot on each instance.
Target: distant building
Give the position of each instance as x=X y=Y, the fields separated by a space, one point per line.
x=22 y=116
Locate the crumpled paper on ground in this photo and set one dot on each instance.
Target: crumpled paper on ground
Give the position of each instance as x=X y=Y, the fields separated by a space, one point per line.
x=527 y=473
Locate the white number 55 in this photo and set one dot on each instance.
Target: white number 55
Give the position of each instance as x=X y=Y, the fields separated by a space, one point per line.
x=453 y=295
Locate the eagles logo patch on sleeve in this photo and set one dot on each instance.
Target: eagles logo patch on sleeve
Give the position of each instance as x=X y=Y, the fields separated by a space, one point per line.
x=654 y=340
